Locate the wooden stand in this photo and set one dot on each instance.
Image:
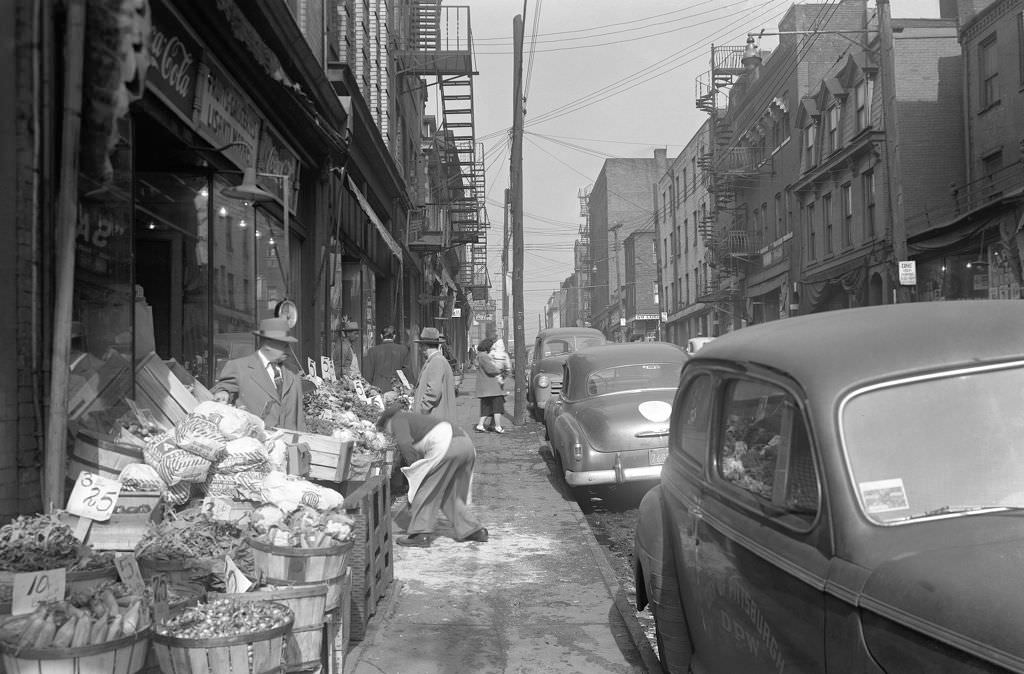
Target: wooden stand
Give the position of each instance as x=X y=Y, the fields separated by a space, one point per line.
x=372 y=558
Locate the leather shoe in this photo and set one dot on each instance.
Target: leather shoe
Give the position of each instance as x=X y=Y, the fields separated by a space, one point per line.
x=478 y=536
x=415 y=541
x=479 y=429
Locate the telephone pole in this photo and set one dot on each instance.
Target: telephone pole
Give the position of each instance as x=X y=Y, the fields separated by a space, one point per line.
x=504 y=271
x=516 y=180
x=621 y=328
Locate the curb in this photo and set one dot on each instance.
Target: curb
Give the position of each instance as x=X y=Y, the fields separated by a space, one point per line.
x=622 y=605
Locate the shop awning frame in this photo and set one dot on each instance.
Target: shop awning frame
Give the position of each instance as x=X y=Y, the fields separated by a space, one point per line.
x=381 y=229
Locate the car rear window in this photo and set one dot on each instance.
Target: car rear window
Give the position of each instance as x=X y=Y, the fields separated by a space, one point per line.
x=633 y=377
x=556 y=346
x=937 y=445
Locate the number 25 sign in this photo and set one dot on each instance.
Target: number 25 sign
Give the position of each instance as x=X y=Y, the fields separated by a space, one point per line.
x=93 y=496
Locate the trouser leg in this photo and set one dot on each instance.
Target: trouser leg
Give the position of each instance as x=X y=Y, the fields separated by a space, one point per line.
x=460 y=457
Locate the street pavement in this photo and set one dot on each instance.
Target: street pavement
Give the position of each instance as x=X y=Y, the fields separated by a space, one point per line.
x=539 y=596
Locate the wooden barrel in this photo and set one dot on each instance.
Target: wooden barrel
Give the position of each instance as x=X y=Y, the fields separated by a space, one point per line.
x=255 y=653
x=126 y=655
x=300 y=565
x=303 y=646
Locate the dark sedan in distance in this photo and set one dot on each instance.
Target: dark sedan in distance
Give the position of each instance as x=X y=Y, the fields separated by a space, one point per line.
x=609 y=425
x=844 y=492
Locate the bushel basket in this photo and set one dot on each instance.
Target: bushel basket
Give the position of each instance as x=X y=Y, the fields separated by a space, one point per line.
x=126 y=655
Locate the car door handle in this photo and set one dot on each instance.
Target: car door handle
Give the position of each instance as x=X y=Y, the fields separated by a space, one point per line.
x=651 y=434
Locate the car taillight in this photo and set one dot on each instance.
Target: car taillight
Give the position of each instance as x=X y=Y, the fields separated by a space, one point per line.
x=543 y=381
x=577 y=452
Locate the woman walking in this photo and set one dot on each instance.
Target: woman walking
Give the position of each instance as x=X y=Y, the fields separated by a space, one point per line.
x=489 y=389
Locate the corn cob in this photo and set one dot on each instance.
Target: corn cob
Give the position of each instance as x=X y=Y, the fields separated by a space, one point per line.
x=82 y=629
x=98 y=631
x=64 y=635
x=28 y=637
x=46 y=633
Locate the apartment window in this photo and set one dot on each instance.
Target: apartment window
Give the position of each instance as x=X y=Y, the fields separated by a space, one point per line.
x=693 y=171
x=785 y=127
x=991 y=165
x=988 y=72
x=664 y=205
x=809 y=144
x=687 y=277
x=682 y=195
x=847 y=195
x=672 y=240
x=826 y=220
x=765 y=225
x=862 y=101
x=679 y=193
x=666 y=251
x=867 y=181
x=833 y=128
x=696 y=227
x=809 y=228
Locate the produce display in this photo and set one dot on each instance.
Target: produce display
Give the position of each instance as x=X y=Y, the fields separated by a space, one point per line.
x=109 y=613
x=226 y=618
x=190 y=536
x=41 y=542
x=337 y=409
x=304 y=528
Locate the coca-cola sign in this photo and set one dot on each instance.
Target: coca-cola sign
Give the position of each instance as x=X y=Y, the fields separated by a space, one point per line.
x=175 y=57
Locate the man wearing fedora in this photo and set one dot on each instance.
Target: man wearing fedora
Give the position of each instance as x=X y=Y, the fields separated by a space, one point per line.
x=435 y=392
x=259 y=382
x=349 y=331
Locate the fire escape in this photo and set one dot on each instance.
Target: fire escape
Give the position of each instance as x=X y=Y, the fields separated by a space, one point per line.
x=584 y=259
x=437 y=42
x=726 y=168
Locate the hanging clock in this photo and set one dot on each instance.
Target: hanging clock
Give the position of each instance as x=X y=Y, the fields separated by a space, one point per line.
x=287 y=310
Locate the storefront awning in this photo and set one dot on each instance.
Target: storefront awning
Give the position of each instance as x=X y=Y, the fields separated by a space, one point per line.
x=384 y=233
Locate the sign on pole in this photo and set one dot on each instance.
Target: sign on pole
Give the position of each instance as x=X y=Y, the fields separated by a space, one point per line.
x=908 y=273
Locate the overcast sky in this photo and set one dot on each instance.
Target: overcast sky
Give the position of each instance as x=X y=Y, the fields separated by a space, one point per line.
x=602 y=78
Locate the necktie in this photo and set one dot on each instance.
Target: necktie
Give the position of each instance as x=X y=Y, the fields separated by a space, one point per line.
x=278 y=378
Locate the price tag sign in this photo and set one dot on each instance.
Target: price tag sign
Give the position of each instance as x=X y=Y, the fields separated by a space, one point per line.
x=37 y=587
x=327 y=368
x=311 y=366
x=128 y=570
x=358 y=385
x=235 y=581
x=218 y=509
x=93 y=496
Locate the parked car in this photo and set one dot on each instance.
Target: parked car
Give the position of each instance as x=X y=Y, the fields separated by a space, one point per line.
x=694 y=344
x=550 y=349
x=843 y=493
x=610 y=423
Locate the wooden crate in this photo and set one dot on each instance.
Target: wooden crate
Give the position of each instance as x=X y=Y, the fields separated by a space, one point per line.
x=337 y=626
x=158 y=390
x=132 y=516
x=372 y=558
x=327 y=457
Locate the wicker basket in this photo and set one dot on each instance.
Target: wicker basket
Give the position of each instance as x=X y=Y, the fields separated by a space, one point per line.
x=126 y=655
x=256 y=653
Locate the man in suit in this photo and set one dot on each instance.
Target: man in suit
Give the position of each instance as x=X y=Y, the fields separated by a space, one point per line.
x=260 y=383
x=381 y=362
x=435 y=393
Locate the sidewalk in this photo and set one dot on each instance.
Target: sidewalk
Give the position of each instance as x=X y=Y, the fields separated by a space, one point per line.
x=540 y=596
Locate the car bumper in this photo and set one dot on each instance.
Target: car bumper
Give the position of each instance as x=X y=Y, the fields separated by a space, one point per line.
x=611 y=476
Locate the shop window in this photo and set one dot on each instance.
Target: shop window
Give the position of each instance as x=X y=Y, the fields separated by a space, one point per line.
x=763 y=450
x=173 y=237
x=847 y=197
x=826 y=217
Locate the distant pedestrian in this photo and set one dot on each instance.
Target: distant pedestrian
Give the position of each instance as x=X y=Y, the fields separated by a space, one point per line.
x=383 y=361
x=440 y=458
x=435 y=392
x=348 y=364
x=489 y=390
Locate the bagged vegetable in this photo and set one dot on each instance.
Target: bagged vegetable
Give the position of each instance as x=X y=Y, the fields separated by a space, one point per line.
x=242 y=454
x=231 y=422
x=140 y=477
x=243 y=486
x=200 y=436
x=288 y=492
x=179 y=465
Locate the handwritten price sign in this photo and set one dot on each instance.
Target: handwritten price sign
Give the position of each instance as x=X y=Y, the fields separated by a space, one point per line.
x=93 y=496
x=37 y=587
x=128 y=570
x=234 y=580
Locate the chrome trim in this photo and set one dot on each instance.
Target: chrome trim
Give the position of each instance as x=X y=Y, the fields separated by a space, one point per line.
x=575 y=478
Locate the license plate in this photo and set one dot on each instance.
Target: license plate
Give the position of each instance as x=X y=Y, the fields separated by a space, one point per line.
x=656 y=457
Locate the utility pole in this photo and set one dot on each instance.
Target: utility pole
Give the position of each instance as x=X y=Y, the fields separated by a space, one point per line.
x=894 y=164
x=516 y=180
x=504 y=272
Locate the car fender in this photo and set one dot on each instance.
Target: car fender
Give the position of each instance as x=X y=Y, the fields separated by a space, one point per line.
x=656 y=584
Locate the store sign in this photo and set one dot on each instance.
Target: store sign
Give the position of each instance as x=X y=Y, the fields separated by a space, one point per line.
x=645 y=317
x=276 y=158
x=224 y=114
x=174 y=56
x=908 y=272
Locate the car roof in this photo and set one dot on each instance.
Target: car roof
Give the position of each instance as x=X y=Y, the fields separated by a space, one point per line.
x=837 y=349
x=630 y=353
x=561 y=332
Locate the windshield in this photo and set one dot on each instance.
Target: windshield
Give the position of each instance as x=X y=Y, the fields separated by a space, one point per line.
x=633 y=377
x=949 y=443
x=557 y=346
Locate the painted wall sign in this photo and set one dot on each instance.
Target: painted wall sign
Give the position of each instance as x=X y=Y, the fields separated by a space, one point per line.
x=174 y=64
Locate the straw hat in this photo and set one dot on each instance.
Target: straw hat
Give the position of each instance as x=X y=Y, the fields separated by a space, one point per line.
x=275 y=329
